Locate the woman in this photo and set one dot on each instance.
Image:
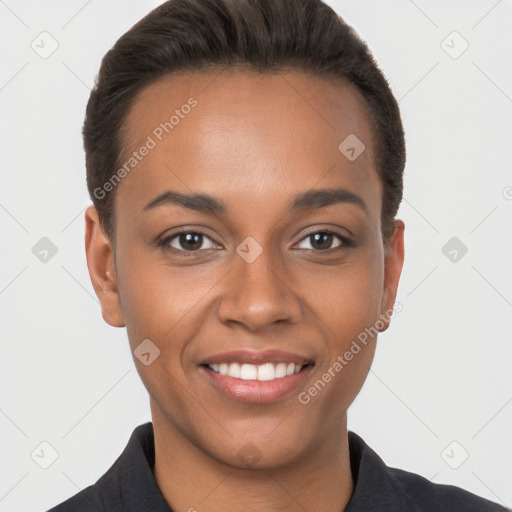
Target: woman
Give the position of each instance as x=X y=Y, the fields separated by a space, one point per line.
x=245 y=162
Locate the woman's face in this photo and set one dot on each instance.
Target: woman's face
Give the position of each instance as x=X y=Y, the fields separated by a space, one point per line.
x=268 y=271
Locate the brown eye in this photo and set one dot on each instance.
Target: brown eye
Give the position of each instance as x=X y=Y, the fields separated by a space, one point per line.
x=323 y=241
x=188 y=241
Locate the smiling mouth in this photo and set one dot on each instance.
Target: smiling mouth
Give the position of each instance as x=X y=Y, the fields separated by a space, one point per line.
x=262 y=372
x=256 y=377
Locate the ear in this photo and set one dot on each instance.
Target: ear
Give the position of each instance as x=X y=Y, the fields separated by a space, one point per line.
x=393 y=262
x=101 y=265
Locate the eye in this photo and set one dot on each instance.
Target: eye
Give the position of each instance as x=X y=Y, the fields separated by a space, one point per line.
x=323 y=241
x=188 y=241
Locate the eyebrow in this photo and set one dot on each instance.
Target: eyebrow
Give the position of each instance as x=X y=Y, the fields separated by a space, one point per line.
x=310 y=200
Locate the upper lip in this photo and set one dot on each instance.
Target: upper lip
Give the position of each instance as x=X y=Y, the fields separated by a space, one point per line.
x=257 y=358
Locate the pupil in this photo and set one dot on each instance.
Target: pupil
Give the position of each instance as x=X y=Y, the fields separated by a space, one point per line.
x=191 y=240
x=320 y=238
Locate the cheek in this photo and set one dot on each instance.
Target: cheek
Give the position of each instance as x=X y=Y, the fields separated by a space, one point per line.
x=160 y=304
x=347 y=299
x=347 y=305
x=155 y=297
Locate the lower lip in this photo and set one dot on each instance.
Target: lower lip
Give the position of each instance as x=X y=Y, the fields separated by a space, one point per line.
x=256 y=391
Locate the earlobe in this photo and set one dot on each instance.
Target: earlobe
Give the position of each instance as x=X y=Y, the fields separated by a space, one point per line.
x=101 y=265
x=393 y=263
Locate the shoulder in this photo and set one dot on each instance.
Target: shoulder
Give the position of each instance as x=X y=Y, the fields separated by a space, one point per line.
x=441 y=497
x=380 y=487
x=129 y=481
x=102 y=496
x=87 y=500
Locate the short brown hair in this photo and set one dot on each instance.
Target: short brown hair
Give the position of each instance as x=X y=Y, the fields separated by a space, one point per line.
x=263 y=35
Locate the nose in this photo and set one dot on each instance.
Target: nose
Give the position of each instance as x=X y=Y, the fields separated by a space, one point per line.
x=258 y=294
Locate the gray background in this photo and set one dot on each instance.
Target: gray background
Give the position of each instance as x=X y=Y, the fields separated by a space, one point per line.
x=440 y=388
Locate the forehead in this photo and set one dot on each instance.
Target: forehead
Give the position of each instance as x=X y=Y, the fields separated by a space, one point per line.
x=261 y=135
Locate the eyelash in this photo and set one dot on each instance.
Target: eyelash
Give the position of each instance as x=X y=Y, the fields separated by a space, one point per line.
x=163 y=243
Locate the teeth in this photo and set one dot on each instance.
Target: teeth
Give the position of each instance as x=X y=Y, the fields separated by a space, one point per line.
x=263 y=372
x=266 y=372
x=234 y=370
x=248 y=372
x=280 y=370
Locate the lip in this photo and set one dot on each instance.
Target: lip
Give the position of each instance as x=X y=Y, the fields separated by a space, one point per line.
x=256 y=391
x=257 y=358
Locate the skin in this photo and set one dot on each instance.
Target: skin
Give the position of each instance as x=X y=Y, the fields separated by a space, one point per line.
x=255 y=142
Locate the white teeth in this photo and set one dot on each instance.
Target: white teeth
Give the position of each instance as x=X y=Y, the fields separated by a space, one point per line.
x=280 y=370
x=263 y=372
x=248 y=372
x=266 y=372
x=234 y=370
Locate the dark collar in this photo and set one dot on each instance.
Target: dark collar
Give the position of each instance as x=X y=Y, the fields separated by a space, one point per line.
x=132 y=475
x=374 y=488
x=130 y=486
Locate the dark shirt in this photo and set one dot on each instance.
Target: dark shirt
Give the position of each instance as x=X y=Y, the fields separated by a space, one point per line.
x=130 y=486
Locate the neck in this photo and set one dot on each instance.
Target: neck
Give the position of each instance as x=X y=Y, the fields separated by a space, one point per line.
x=193 y=481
